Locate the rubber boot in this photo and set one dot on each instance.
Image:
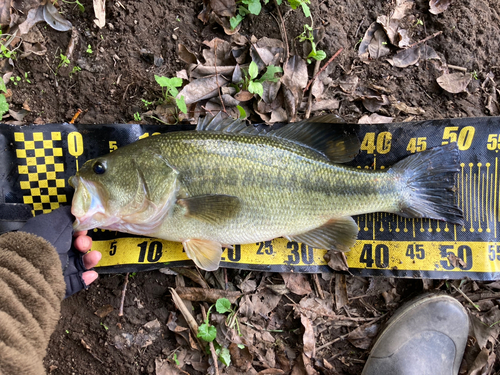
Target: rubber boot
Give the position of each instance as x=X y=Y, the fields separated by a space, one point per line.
x=428 y=335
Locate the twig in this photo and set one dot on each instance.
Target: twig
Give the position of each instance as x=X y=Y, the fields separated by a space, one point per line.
x=331 y=342
x=310 y=99
x=283 y=30
x=187 y=316
x=124 y=291
x=425 y=39
x=211 y=345
x=316 y=284
x=467 y=298
x=457 y=68
x=359 y=27
x=333 y=316
x=323 y=68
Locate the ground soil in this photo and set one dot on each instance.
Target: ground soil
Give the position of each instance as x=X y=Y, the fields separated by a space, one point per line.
x=116 y=76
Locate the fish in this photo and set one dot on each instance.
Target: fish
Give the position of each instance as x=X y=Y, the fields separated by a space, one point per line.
x=228 y=183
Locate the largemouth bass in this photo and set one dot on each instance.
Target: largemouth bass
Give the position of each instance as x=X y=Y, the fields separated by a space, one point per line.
x=227 y=183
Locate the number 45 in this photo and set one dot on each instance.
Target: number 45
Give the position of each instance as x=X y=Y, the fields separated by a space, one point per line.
x=417 y=145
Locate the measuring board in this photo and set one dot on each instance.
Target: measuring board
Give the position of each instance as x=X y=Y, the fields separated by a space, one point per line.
x=36 y=162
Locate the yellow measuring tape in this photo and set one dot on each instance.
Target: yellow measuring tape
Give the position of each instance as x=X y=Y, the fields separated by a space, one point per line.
x=38 y=161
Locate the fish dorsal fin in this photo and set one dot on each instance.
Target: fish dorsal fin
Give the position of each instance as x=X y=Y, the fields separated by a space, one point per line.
x=327 y=135
x=227 y=125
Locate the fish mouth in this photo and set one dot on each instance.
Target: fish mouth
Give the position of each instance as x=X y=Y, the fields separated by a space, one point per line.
x=87 y=206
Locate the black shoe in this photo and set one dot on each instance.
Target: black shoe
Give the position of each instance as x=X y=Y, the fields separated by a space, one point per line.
x=426 y=336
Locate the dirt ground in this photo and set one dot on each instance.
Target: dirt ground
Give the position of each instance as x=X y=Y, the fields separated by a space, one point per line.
x=119 y=73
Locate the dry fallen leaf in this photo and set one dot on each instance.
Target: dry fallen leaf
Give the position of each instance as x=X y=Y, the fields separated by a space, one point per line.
x=363 y=336
x=438 y=6
x=308 y=339
x=202 y=88
x=297 y=283
x=455 y=82
x=375 y=119
x=100 y=13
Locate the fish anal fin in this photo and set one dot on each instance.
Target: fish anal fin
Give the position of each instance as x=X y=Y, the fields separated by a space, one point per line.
x=205 y=254
x=214 y=209
x=337 y=234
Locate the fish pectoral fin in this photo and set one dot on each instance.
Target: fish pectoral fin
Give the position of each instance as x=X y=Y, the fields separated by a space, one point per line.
x=337 y=234
x=205 y=254
x=214 y=209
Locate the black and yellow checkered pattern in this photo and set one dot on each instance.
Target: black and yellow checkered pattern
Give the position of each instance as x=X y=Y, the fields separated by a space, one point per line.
x=41 y=168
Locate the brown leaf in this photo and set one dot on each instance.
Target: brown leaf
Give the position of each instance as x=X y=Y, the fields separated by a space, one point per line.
x=411 y=56
x=438 y=6
x=100 y=13
x=240 y=358
x=224 y=8
x=206 y=295
x=261 y=303
x=164 y=367
x=202 y=88
x=243 y=96
x=104 y=311
x=363 y=336
x=336 y=260
x=295 y=73
x=186 y=55
x=5 y=12
x=403 y=107
x=375 y=119
x=402 y=8
x=374 y=43
x=297 y=283
x=34 y=16
x=454 y=82
x=219 y=53
x=308 y=338
x=480 y=362
x=341 y=298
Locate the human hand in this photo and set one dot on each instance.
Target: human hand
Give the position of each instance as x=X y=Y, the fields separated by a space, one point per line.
x=57 y=228
x=83 y=243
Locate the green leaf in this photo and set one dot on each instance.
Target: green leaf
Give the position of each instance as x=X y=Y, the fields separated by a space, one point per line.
x=256 y=88
x=253 y=70
x=279 y=2
x=173 y=91
x=4 y=106
x=320 y=55
x=254 y=7
x=181 y=104
x=168 y=82
x=2 y=86
x=207 y=332
x=241 y=346
x=294 y=3
x=223 y=305
x=270 y=72
x=243 y=113
x=225 y=357
x=235 y=21
x=306 y=10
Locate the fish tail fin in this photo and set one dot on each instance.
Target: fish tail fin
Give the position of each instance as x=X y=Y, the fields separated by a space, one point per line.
x=429 y=185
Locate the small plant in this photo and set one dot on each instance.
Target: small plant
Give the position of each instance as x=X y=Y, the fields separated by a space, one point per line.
x=474 y=75
x=7 y=53
x=105 y=326
x=137 y=117
x=254 y=85
x=307 y=34
x=4 y=106
x=89 y=49
x=75 y=69
x=171 y=84
x=208 y=332
x=146 y=103
x=174 y=358
x=255 y=7
x=419 y=22
x=26 y=77
x=64 y=61
x=15 y=80
x=80 y=5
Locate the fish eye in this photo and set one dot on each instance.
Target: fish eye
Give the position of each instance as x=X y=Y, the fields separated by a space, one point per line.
x=99 y=168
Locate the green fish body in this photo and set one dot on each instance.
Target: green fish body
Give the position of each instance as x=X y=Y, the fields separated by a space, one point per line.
x=228 y=184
